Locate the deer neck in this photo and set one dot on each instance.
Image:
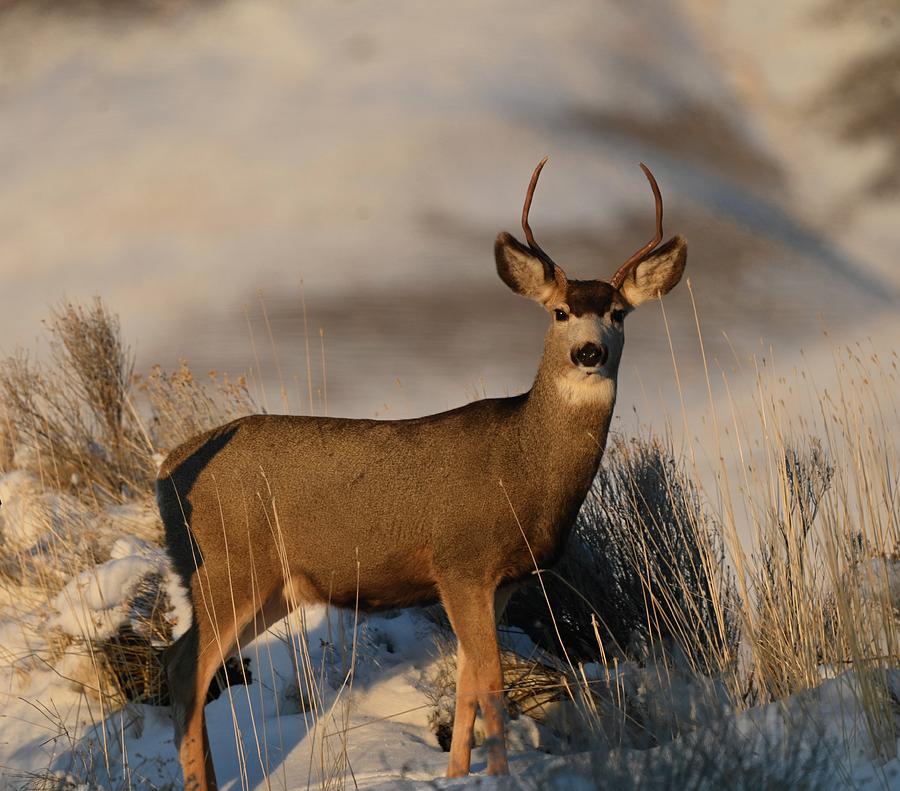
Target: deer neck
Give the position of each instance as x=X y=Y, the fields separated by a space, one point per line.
x=565 y=422
x=561 y=436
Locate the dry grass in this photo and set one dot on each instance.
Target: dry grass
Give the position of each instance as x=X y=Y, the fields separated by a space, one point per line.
x=72 y=417
x=533 y=686
x=90 y=434
x=85 y=424
x=818 y=528
x=182 y=406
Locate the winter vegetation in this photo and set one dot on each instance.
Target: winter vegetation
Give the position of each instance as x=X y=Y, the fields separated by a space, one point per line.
x=692 y=634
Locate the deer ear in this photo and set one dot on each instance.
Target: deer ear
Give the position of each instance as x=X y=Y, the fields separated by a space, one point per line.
x=657 y=274
x=527 y=274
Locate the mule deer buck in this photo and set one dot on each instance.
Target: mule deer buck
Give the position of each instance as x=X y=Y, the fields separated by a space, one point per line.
x=272 y=511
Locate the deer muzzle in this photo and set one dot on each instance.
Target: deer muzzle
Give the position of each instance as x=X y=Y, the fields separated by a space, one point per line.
x=590 y=355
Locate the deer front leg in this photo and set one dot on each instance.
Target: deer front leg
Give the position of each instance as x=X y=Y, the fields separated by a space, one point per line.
x=464 y=716
x=471 y=612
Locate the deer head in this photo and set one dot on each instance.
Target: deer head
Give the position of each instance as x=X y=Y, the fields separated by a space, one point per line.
x=584 y=342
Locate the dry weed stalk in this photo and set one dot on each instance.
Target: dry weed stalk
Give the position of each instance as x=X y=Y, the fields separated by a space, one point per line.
x=72 y=416
x=181 y=406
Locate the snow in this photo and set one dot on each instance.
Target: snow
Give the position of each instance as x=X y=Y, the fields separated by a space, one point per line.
x=143 y=558
x=101 y=594
x=824 y=731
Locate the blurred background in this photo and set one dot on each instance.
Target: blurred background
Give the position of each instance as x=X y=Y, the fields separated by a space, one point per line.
x=308 y=192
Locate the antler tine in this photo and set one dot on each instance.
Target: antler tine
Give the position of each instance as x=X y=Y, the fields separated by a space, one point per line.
x=529 y=196
x=619 y=277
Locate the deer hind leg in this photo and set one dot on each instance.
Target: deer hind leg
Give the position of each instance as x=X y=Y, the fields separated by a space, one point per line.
x=190 y=668
x=279 y=603
x=501 y=599
x=220 y=615
x=221 y=627
x=471 y=613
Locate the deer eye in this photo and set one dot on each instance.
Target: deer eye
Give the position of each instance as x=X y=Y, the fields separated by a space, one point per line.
x=618 y=316
x=561 y=315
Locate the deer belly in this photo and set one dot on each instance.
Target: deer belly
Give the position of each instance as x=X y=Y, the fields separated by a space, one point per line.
x=379 y=581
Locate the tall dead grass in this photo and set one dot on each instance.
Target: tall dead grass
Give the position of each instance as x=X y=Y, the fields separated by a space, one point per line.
x=811 y=521
x=645 y=559
x=88 y=435
x=85 y=424
x=754 y=577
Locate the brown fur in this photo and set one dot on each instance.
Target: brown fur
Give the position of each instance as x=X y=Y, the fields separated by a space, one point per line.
x=593 y=296
x=271 y=511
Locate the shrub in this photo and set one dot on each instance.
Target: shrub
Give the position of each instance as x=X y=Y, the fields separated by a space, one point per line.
x=84 y=436
x=645 y=562
x=73 y=417
x=78 y=420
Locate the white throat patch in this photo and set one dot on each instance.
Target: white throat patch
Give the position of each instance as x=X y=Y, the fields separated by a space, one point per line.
x=582 y=389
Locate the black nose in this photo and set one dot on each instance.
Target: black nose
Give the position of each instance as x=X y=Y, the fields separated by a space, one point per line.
x=590 y=355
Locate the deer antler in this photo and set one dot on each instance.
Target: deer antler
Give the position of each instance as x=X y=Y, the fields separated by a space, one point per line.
x=619 y=277
x=550 y=266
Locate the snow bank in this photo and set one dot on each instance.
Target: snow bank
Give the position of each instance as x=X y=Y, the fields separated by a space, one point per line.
x=54 y=535
x=97 y=602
